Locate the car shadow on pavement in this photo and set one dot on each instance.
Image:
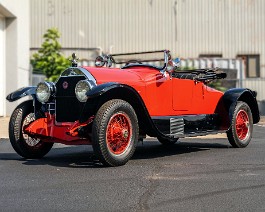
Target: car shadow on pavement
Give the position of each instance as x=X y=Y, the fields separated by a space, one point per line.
x=152 y=149
x=83 y=156
x=65 y=156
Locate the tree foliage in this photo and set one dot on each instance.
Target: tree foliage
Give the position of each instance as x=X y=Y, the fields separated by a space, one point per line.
x=217 y=84
x=49 y=60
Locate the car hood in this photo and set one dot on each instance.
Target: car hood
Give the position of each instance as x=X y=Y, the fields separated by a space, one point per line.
x=124 y=76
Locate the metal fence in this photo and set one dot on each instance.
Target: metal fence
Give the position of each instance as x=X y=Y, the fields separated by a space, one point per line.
x=235 y=69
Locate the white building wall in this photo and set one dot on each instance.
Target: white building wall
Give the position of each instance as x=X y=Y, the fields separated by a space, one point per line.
x=2 y=65
x=17 y=74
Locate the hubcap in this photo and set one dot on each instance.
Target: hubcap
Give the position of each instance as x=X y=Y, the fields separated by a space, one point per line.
x=242 y=125
x=119 y=133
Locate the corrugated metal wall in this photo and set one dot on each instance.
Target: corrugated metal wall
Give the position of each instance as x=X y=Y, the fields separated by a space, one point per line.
x=114 y=26
x=186 y=27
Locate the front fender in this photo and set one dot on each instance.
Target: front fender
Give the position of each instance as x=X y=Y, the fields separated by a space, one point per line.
x=113 y=90
x=232 y=96
x=95 y=100
x=25 y=91
x=101 y=89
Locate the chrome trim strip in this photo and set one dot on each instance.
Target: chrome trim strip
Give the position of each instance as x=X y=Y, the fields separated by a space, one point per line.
x=85 y=72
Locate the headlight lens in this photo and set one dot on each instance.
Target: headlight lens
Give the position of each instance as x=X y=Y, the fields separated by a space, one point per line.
x=81 y=88
x=44 y=91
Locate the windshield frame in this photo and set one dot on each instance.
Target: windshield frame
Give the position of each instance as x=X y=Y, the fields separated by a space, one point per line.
x=109 y=59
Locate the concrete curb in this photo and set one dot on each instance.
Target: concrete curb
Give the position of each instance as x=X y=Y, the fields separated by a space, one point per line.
x=4 y=121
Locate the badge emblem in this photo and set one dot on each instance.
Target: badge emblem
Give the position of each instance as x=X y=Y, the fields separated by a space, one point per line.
x=65 y=84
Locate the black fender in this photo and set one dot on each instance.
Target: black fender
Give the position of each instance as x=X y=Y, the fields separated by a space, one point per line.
x=113 y=90
x=93 y=102
x=232 y=96
x=25 y=91
x=101 y=89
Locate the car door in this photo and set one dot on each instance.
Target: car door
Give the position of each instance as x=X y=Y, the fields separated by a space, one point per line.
x=182 y=94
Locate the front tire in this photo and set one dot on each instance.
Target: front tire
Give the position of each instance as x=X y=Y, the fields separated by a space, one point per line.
x=240 y=131
x=24 y=145
x=115 y=132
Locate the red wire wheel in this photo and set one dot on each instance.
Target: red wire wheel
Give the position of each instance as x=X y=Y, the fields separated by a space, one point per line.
x=115 y=132
x=240 y=132
x=242 y=125
x=119 y=133
x=22 y=143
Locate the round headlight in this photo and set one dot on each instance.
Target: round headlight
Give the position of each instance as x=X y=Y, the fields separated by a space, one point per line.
x=81 y=88
x=44 y=91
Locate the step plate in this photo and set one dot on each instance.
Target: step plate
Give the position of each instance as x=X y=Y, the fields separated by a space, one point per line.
x=176 y=127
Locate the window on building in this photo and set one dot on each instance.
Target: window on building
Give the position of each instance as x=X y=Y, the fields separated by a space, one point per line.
x=210 y=55
x=252 y=63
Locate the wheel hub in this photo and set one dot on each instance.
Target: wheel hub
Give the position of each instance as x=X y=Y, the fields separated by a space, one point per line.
x=125 y=133
x=119 y=133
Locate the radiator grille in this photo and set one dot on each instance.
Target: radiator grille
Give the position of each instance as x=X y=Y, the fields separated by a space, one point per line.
x=68 y=108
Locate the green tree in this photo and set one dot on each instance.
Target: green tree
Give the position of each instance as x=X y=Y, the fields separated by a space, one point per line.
x=49 y=59
x=217 y=84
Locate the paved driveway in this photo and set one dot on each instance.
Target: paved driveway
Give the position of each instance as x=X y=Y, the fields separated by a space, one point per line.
x=193 y=175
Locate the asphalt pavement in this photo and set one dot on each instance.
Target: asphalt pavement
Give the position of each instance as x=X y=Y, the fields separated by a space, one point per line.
x=193 y=175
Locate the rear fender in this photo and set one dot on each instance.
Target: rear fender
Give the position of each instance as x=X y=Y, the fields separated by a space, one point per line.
x=232 y=96
x=25 y=91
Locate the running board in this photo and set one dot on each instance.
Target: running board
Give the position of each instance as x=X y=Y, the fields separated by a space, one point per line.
x=188 y=125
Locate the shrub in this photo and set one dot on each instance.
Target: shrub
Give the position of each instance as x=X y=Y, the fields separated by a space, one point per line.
x=49 y=59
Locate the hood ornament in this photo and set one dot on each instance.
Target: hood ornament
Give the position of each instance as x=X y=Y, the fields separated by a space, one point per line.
x=74 y=60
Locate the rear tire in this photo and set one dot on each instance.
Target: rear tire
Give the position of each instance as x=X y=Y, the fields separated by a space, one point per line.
x=23 y=144
x=241 y=129
x=115 y=132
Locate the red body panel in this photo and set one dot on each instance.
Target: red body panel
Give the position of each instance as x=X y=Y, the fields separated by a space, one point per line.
x=162 y=95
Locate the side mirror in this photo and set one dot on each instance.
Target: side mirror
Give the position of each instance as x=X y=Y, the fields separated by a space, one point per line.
x=176 y=62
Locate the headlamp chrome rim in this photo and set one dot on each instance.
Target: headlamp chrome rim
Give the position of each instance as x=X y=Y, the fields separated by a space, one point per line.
x=81 y=88
x=50 y=89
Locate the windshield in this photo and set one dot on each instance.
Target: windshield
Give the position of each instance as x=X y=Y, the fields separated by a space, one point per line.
x=144 y=57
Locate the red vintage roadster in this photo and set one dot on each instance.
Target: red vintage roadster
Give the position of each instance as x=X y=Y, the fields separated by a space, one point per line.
x=114 y=108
